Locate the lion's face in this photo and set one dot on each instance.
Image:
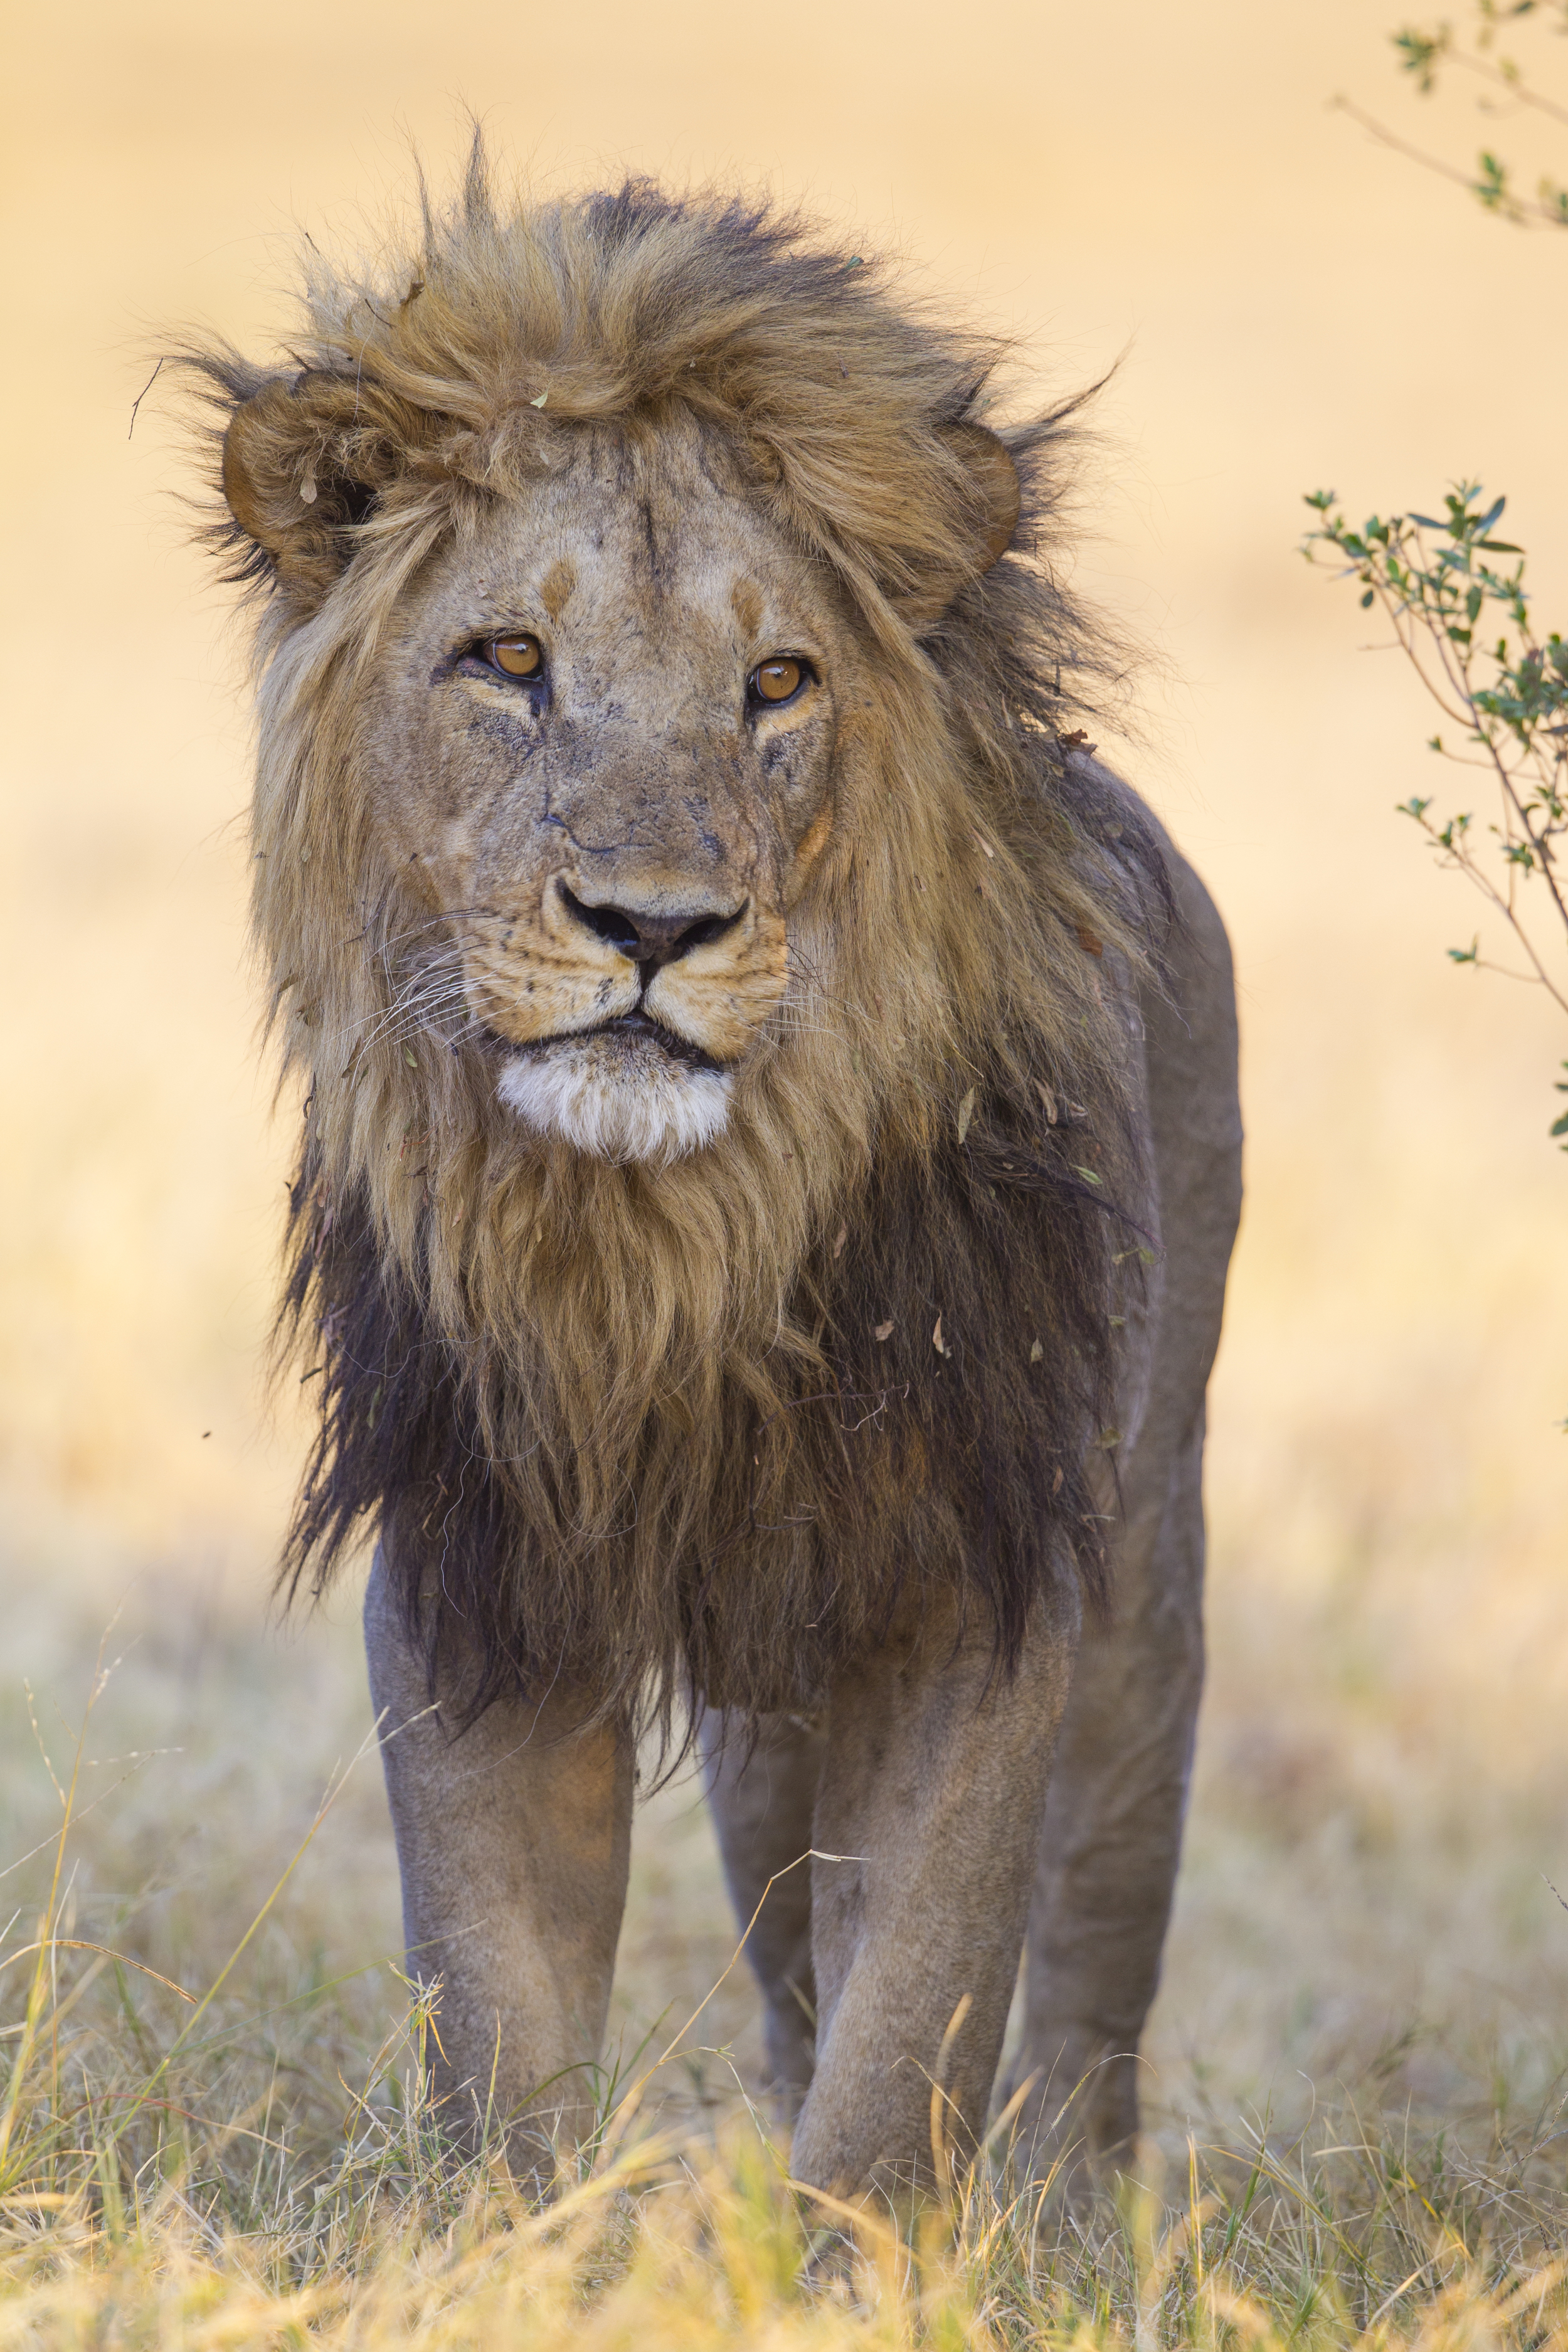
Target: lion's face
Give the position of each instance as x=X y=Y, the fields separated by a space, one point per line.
x=602 y=748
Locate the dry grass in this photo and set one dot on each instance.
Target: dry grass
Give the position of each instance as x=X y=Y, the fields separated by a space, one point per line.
x=250 y=2164
x=213 y=2131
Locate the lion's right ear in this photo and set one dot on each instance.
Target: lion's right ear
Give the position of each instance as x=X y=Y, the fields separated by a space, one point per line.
x=304 y=460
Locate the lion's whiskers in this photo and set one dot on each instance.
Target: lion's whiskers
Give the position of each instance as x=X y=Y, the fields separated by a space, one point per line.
x=431 y=991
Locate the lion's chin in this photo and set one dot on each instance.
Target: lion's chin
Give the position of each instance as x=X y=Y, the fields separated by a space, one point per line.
x=618 y=1102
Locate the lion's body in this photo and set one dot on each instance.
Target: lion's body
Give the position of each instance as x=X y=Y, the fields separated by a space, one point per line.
x=735 y=1175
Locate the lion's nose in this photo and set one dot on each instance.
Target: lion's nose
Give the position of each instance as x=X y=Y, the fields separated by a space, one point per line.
x=652 y=938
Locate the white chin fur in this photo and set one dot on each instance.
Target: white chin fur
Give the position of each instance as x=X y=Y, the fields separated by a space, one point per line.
x=618 y=1103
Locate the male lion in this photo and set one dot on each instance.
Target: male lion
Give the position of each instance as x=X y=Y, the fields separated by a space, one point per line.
x=770 y=1151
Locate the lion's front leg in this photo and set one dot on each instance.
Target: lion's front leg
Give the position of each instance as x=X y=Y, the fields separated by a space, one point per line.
x=763 y=1778
x=514 y=1840
x=933 y=1789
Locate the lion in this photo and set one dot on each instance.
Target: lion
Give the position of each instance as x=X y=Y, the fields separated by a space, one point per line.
x=769 y=1159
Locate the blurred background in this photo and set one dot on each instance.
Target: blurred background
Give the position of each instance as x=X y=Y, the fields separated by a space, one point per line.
x=1384 y=1763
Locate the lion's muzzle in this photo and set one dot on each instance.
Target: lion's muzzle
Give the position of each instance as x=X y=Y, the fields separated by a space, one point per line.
x=627 y=1012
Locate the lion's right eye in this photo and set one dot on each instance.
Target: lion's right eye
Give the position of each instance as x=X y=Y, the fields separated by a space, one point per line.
x=518 y=656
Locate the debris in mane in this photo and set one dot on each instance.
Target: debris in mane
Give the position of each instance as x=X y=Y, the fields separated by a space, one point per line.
x=724 y=1418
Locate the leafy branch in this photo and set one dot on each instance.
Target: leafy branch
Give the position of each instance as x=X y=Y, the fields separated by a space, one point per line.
x=1424 y=55
x=1443 y=590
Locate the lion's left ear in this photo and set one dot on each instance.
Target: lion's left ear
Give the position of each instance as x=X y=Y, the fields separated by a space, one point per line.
x=989 y=519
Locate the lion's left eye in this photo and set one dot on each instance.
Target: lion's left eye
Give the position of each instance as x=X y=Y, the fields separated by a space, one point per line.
x=518 y=656
x=778 y=679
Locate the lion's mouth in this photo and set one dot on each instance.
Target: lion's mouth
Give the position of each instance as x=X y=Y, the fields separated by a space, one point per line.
x=632 y=1029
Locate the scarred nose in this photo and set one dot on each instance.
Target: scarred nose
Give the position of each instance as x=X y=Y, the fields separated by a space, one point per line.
x=651 y=938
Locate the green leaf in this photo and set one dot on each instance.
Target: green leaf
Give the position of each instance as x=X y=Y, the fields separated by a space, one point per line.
x=1492 y=185
x=1369 y=598
x=1420 y=54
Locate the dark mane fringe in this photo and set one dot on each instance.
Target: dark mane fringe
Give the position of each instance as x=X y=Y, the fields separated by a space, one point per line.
x=1003 y=1221
x=788 y=1487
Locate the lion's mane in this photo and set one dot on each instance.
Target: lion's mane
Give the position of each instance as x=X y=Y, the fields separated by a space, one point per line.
x=617 y=1423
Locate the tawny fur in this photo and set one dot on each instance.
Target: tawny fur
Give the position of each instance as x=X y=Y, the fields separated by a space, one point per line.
x=631 y=1419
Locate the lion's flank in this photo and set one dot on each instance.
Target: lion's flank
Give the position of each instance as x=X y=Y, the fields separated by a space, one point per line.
x=624 y=1422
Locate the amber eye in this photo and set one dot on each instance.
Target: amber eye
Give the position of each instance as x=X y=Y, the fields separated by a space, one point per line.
x=777 y=680
x=519 y=656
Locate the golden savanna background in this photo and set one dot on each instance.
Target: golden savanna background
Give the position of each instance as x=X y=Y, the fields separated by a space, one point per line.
x=1382 y=1791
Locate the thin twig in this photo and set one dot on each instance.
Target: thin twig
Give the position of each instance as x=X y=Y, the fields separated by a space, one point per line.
x=1520 y=207
x=140 y=397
